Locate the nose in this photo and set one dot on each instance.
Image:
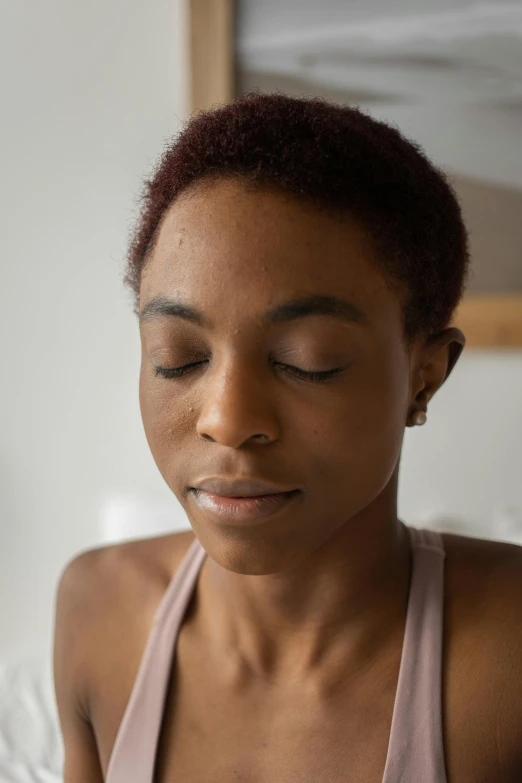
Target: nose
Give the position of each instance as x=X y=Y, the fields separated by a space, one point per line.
x=237 y=408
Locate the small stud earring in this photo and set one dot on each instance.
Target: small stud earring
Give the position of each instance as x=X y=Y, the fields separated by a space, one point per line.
x=419 y=418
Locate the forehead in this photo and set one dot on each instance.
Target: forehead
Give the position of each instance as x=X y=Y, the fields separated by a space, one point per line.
x=228 y=246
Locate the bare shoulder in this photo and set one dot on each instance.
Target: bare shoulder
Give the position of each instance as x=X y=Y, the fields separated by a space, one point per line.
x=483 y=648
x=102 y=588
x=147 y=558
x=93 y=580
x=484 y=582
x=484 y=605
x=105 y=604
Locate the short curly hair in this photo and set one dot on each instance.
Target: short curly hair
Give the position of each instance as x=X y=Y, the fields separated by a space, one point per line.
x=340 y=159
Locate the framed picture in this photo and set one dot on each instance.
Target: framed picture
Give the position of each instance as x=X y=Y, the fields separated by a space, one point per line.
x=444 y=75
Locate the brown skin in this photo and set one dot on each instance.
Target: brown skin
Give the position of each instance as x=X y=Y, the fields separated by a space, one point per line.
x=296 y=627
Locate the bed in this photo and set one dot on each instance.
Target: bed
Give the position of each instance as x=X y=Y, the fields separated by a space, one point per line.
x=31 y=749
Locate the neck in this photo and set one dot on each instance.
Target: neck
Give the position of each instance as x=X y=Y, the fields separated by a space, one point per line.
x=342 y=602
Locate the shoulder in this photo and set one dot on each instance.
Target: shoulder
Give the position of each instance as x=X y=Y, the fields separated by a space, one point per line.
x=483 y=603
x=109 y=591
x=108 y=577
x=483 y=645
x=484 y=583
x=88 y=574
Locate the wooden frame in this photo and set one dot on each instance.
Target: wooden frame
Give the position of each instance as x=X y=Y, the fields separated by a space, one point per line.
x=211 y=52
x=489 y=321
x=493 y=321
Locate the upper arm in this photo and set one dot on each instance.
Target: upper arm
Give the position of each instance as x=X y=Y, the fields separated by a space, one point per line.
x=509 y=644
x=81 y=762
x=500 y=646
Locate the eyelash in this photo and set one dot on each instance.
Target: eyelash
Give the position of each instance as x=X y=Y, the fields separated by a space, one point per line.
x=313 y=377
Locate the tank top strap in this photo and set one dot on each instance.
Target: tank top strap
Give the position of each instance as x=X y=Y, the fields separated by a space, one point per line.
x=134 y=752
x=415 y=750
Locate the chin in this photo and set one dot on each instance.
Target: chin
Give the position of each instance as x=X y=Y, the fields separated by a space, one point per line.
x=256 y=551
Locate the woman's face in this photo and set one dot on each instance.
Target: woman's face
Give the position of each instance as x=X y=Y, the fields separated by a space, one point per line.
x=233 y=254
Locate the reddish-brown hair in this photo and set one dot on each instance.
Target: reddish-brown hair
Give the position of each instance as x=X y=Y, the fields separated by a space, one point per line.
x=340 y=159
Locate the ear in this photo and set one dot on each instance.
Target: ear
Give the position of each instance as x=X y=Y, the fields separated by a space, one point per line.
x=433 y=361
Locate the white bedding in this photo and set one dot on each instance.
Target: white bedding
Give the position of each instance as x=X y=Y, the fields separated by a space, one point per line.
x=31 y=749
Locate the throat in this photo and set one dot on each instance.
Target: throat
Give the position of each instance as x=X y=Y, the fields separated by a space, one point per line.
x=310 y=624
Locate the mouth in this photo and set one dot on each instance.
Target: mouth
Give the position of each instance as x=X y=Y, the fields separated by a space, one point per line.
x=242 y=510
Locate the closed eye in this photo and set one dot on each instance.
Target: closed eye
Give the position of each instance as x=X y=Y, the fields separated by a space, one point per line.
x=314 y=377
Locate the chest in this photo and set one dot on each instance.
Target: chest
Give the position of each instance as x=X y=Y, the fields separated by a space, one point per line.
x=232 y=741
x=232 y=731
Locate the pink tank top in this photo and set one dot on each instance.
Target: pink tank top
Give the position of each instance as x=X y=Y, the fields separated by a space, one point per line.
x=415 y=749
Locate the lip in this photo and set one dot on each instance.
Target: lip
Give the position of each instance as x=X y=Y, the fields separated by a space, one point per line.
x=241 y=487
x=241 y=510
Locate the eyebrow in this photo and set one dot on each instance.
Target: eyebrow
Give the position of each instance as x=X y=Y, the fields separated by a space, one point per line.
x=302 y=307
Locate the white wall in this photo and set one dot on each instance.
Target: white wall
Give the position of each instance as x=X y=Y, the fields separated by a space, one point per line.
x=465 y=463
x=89 y=92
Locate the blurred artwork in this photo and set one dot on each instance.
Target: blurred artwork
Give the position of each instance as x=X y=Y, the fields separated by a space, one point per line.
x=447 y=73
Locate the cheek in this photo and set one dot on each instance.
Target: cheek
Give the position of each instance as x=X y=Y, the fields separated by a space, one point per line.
x=348 y=440
x=164 y=419
x=358 y=438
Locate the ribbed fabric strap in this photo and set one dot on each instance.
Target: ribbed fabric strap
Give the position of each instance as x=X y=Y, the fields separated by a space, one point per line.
x=133 y=756
x=415 y=751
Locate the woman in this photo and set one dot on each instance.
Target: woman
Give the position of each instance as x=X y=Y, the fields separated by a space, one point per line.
x=295 y=269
